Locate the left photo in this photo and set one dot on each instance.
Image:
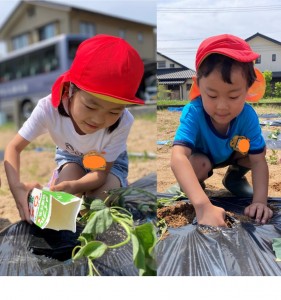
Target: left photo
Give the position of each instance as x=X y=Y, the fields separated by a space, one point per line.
x=78 y=138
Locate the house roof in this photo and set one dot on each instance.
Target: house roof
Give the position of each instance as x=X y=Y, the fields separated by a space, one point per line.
x=264 y=37
x=175 y=73
x=175 y=82
x=174 y=76
x=183 y=66
x=58 y=6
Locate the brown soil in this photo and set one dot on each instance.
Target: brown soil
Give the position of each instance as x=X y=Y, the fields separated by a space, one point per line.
x=214 y=186
x=179 y=214
x=38 y=166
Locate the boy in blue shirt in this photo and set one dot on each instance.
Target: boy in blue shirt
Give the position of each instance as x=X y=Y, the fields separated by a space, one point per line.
x=218 y=129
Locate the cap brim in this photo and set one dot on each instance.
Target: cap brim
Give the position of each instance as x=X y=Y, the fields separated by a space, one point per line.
x=117 y=100
x=58 y=87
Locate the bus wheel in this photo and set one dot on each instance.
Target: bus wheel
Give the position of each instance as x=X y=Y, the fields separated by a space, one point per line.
x=26 y=109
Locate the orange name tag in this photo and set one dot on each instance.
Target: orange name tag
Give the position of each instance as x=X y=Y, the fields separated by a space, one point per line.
x=94 y=161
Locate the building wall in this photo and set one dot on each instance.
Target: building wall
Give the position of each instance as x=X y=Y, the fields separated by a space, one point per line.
x=266 y=48
x=31 y=24
x=67 y=21
x=112 y=26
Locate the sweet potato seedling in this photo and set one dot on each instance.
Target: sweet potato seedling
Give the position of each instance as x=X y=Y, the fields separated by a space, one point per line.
x=100 y=217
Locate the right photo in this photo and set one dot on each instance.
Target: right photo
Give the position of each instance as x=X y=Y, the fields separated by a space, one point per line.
x=218 y=138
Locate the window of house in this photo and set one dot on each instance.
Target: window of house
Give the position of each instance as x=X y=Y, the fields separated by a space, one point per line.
x=20 y=41
x=273 y=57
x=122 y=33
x=258 y=60
x=172 y=65
x=161 y=64
x=87 y=28
x=47 y=31
x=140 y=37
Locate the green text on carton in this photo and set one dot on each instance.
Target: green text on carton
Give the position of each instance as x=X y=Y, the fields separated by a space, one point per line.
x=54 y=210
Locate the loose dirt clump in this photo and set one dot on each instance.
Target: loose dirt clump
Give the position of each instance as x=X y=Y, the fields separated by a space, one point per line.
x=179 y=214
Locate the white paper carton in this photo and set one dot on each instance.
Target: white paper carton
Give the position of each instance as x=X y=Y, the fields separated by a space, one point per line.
x=54 y=210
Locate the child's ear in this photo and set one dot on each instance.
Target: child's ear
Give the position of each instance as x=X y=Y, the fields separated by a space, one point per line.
x=65 y=91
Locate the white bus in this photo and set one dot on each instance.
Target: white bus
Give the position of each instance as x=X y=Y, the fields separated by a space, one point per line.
x=27 y=74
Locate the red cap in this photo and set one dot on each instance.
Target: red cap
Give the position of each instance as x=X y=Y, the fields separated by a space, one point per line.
x=235 y=48
x=105 y=66
x=228 y=45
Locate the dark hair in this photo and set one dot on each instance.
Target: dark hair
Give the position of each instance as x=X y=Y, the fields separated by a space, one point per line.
x=224 y=64
x=63 y=113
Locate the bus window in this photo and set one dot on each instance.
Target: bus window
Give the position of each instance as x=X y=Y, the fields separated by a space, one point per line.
x=34 y=67
x=72 y=48
x=50 y=61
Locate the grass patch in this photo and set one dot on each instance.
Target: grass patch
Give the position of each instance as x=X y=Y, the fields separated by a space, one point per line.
x=151 y=116
x=171 y=102
x=9 y=126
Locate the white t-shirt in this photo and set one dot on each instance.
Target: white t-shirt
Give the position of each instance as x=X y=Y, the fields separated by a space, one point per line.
x=46 y=118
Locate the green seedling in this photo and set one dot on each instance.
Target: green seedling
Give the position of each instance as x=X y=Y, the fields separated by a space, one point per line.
x=273 y=157
x=99 y=218
x=274 y=134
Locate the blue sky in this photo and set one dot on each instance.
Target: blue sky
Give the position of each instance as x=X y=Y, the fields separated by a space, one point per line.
x=183 y=24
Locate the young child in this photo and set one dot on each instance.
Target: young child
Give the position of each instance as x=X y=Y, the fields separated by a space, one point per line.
x=86 y=116
x=217 y=128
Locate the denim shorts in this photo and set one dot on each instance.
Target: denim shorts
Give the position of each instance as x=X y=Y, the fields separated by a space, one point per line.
x=119 y=168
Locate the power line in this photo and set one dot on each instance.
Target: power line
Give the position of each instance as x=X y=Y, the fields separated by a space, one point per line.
x=199 y=10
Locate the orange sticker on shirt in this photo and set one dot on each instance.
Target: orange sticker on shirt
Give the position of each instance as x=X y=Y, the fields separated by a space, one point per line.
x=240 y=144
x=94 y=161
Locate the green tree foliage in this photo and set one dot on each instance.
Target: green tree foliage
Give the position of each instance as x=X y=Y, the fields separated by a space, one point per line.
x=277 y=89
x=268 y=77
x=162 y=93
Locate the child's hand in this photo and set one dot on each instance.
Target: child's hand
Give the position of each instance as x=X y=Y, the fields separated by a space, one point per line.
x=67 y=187
x=21 y=197
x=260 y=211
x=211 y=215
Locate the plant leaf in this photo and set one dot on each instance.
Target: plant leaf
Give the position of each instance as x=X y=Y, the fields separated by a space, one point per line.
x=143 y=248
x=97 y=205
x=138 y=253
x=93 y=250
x=99 y=223
x=276 y=245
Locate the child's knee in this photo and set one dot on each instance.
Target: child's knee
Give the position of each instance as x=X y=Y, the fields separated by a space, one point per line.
x=201 y=165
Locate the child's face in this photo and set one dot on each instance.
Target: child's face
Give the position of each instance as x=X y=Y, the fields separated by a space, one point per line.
x=223 y=101
x=90 y=114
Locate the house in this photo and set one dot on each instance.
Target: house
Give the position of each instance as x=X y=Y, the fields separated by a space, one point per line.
x=33 y=21
x=270 y=54
x=174 y=76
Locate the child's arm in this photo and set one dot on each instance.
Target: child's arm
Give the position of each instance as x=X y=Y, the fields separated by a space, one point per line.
x=206 y=212
x=87 y=183
x=12 y=167
x=259 y=208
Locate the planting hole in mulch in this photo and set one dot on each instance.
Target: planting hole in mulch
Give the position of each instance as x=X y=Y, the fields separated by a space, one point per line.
x=182 y=213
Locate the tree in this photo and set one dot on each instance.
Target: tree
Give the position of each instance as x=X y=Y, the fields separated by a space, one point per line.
x=268 y=90
x=162 y=93
x=277 y=89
